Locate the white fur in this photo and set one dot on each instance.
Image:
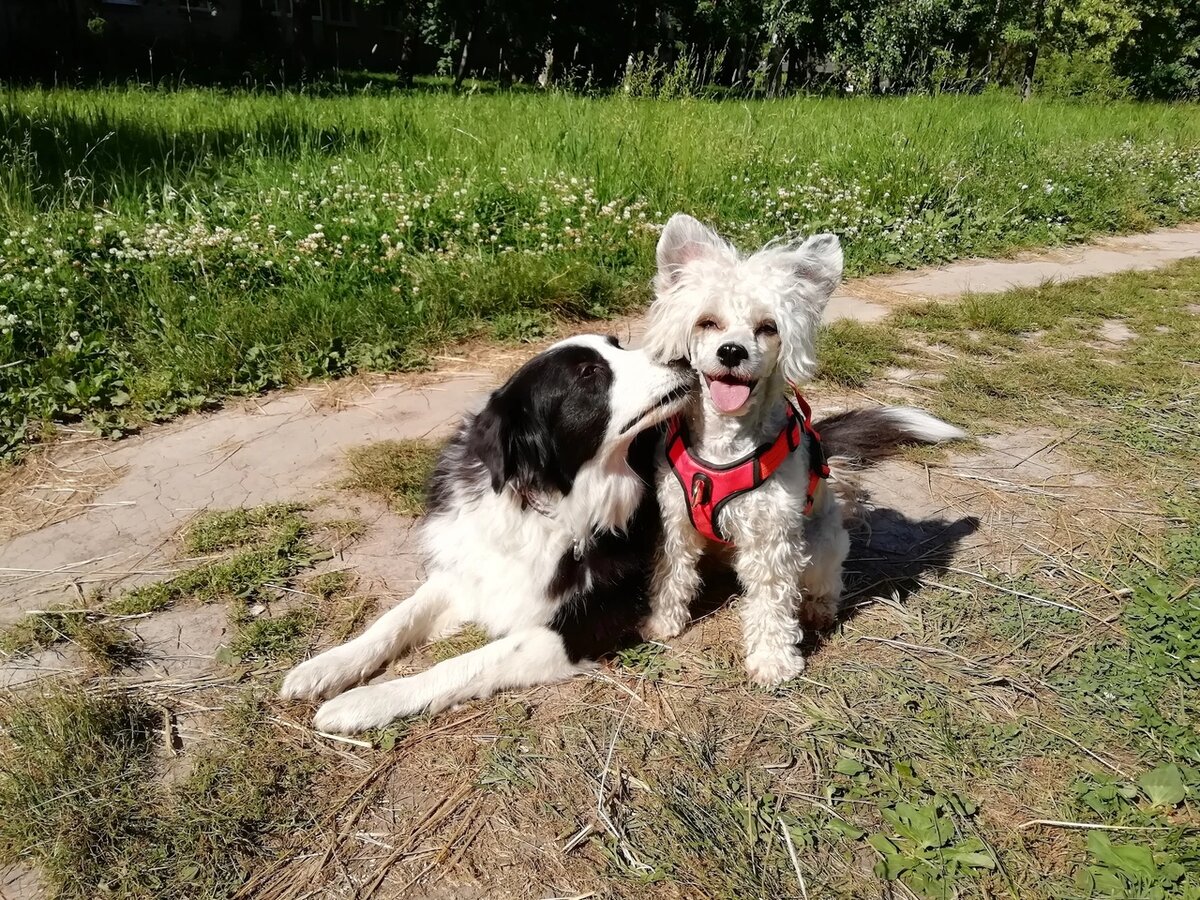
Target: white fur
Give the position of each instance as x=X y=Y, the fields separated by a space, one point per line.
x=921 y=426
x=707 y=294
x=491 y=559
x=521 y=659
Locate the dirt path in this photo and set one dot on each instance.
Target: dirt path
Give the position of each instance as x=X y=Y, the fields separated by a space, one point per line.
x=123 y=502
x=868 y=298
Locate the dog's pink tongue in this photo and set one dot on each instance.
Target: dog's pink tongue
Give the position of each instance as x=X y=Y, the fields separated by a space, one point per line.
x=729 y=396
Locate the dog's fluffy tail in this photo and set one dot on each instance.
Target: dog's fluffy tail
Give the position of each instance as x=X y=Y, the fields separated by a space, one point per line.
x=857 y=438
x=862 y=436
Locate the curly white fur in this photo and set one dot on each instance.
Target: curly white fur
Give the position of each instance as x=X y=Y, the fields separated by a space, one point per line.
x=768 y=304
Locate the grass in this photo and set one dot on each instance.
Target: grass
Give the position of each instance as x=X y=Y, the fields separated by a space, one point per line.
x=1129 y=410
x=396 y=471
x=160 y=251
x=253 y=549
x=850 y=352
x=108 y=646
x=915 y=758
x=1036 y=355
x=85 y=796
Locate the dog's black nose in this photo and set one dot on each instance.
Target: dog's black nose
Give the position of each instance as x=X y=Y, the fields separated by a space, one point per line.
x=732 y=354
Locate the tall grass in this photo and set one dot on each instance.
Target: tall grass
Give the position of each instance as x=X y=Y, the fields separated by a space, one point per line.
x=162 y=250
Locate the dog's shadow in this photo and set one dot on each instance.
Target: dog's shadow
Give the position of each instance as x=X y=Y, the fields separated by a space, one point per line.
x=889 y=555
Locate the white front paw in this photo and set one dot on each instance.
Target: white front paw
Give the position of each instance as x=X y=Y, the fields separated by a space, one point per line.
x=771 y=667
x=322 y=676
x=664 y=625
x=364 y=708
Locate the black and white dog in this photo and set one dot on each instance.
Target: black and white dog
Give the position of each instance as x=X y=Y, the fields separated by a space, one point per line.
x=541 y=528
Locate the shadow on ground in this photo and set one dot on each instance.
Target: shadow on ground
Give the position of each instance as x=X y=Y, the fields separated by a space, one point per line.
x=889 y=555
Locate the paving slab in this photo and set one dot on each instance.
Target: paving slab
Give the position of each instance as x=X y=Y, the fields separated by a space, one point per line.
x=1127 y=253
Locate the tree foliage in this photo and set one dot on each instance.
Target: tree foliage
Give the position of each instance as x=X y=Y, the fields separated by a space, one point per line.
x=1099 y=48
x=1150 y=48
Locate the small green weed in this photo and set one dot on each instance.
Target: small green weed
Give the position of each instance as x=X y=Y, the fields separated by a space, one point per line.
x=330 y=585
x=523 y=327
x=509 y=763
x=648 y=660
x=1136 y=871
x=217 y=532
x=269 y=546
x=472 y=637
x=268 y=638
x=923 y=844
x=108 y=645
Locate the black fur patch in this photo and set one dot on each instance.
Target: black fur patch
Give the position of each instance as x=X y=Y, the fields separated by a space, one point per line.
x=605 y=591
x=538 y=430
x=535 y=432
x=864 y=436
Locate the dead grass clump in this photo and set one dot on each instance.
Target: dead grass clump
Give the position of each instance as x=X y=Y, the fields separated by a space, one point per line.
x=108 y=645
x=395 y=471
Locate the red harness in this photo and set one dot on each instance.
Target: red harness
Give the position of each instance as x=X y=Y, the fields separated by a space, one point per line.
x=709 y=487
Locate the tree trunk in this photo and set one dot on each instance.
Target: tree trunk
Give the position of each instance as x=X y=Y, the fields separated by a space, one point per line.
x=404 y=69
x=1039 y=22
x=503 y=73
x=993 y=34
x=461 y=72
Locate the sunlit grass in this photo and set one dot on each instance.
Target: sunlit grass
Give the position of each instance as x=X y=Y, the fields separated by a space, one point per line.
x=160 y=251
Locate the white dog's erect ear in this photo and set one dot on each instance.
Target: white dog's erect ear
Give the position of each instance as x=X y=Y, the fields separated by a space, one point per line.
x=683 y=240
x=816 y=269
x=818 y=261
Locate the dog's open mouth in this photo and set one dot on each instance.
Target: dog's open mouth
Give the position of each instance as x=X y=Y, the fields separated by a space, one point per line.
x=729 y=393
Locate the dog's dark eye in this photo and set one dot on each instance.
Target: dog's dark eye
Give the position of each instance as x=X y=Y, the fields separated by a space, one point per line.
x=589 y=370
x=766 y=328
x=707 y=324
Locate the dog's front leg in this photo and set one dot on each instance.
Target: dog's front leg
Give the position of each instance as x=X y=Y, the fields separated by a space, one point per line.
x=676 y=580
x=522 y=659
x=409 y=623
x=770 y=628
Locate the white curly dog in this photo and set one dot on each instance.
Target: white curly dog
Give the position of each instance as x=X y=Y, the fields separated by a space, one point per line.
x=748 y=325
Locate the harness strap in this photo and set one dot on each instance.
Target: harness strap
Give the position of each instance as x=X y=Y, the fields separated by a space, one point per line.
x=818 y=467
x=708 y=487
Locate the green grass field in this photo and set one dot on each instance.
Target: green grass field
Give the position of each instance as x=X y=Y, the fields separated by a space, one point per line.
x=160 y=251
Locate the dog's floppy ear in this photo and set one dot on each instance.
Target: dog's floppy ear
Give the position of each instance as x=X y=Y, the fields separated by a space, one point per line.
x=515 y=451
x=683 y=240
x=486 y=442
